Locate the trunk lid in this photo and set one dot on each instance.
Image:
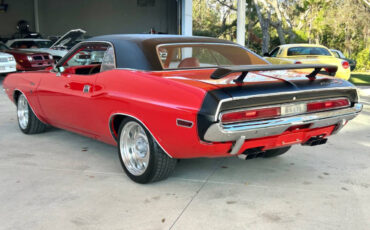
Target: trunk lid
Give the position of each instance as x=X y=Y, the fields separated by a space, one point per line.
x=255 y=82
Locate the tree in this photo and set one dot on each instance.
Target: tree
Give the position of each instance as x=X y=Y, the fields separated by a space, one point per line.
x=264 y=17
x=340 y=24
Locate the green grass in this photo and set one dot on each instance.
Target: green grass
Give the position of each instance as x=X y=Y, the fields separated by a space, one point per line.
x=360 y=78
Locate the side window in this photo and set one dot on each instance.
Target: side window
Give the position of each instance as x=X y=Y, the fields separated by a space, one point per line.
x=88 y=55
x=274 y=52
x=91 y=58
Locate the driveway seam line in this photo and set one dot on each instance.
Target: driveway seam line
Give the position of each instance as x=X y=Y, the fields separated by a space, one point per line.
x=196 y=193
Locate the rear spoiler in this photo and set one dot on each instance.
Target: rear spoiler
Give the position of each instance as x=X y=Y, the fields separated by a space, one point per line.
x=244 y=69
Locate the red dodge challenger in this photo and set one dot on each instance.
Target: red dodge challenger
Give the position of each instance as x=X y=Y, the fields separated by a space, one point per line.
x=160 y=98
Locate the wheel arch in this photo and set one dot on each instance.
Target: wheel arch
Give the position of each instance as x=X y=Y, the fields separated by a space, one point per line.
x=16 y=94
x=115 y=121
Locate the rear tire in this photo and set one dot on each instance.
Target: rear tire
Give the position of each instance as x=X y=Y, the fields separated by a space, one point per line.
x=142 y=159
x=27 y=120
x=276 y=152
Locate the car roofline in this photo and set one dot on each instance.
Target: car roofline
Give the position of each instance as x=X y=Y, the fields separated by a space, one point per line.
x=302 y=45
x=29 y=39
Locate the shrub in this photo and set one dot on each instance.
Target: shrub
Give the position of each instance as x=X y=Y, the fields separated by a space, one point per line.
x=363 y=60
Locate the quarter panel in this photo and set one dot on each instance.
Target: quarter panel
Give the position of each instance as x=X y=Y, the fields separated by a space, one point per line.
x=157 y=102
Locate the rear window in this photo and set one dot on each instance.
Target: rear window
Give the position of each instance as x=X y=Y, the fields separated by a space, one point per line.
x=192 y=55
x=336 y=54
x=294 y=51
x=31 y=44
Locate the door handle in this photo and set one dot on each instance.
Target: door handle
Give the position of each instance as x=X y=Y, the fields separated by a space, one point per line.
x=86 y=88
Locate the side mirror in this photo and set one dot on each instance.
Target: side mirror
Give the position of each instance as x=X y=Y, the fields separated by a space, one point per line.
x=266 y=55
x=61 y=69
x=58 y=70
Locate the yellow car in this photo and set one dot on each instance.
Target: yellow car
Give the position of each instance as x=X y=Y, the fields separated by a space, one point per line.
x=309 y=54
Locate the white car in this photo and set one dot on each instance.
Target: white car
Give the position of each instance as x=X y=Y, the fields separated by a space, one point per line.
x=7 y=63
x=57 y=50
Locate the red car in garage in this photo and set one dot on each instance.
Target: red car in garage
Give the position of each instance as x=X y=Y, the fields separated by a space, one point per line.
x=28 y=60
x=160 y=98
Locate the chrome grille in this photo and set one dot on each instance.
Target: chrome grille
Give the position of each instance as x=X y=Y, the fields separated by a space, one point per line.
x=4 y=59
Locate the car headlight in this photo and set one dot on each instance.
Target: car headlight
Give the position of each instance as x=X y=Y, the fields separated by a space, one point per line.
x=50 y=57
x=29 y=58
x=10 y=58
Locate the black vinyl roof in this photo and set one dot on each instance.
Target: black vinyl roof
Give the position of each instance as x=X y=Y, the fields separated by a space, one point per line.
x=138 y=51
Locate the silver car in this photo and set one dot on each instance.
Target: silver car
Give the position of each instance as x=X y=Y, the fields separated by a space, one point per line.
x=7 y=63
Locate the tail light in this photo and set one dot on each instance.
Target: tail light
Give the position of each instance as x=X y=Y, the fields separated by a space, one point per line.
x=297 y=62
x=325 y=105
x=248 y=115
x=283 y=110
x=345 y=64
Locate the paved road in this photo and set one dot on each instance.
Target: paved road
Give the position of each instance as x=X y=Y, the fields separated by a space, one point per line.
x=60 y=180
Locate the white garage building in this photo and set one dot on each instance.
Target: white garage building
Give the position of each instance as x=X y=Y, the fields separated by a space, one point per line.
x=55 y=17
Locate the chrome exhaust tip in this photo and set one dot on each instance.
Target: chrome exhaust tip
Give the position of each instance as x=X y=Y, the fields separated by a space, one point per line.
x=251 y=153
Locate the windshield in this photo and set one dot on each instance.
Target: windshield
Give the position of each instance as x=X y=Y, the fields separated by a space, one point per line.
x=3 y=47
x=294 y=51
x=193 y=55
x=31 y=44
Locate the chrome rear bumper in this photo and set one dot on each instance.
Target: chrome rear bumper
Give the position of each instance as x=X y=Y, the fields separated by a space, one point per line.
x=248 y=130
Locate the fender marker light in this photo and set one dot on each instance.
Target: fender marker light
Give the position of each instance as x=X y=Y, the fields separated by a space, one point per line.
x=184 y=123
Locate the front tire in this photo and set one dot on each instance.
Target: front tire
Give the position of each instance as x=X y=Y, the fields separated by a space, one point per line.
x=142 y=159
x=27 y=120
x=276 y=152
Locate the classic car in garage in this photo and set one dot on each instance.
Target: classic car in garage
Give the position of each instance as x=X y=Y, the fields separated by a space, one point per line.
x=28 y=60
x=29 y=43
x=57 y=49
x=7 y=63
x=160 y=98
x=309 y=54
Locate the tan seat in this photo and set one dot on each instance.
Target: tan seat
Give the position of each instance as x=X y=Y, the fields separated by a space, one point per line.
x=191 y=62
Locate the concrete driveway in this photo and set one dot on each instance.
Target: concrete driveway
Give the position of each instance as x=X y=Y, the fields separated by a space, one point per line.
x=60 y=180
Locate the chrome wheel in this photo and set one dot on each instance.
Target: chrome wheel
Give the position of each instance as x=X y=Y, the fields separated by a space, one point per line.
x=23 y=111
x=134 y=148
